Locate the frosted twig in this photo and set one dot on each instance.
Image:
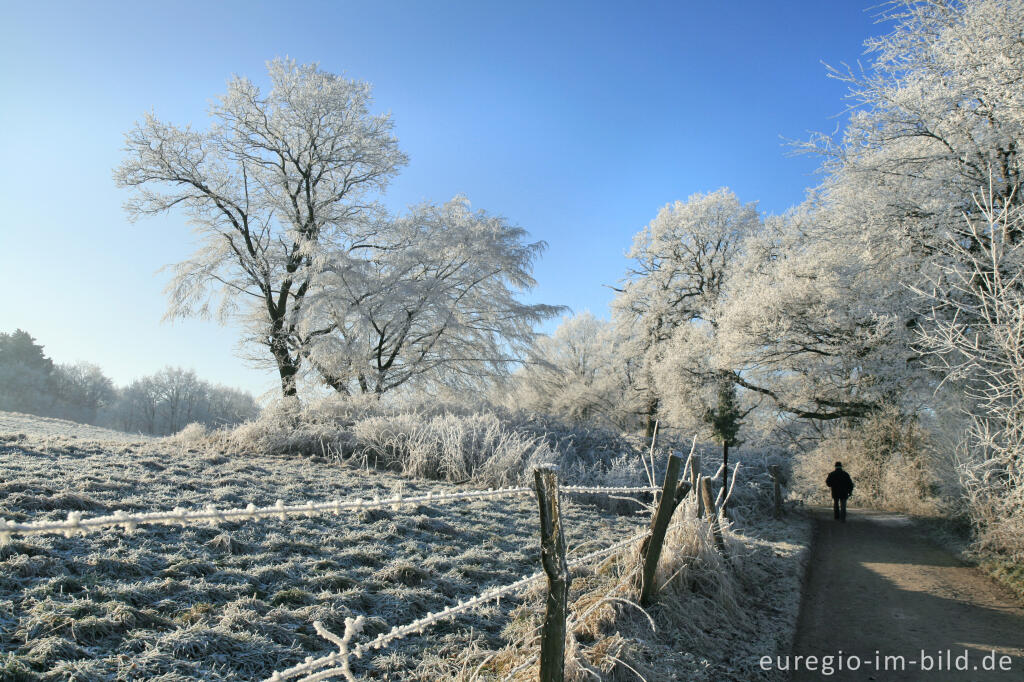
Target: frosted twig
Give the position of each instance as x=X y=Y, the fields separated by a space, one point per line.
x=685 y=476
x=732 y=484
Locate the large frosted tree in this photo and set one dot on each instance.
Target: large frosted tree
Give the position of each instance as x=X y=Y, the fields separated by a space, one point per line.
x=579 y=372
x=816 y=319
x=281 y=184
x=433 y=300
x=681 y=263
x=824 y=319
x=937 y=118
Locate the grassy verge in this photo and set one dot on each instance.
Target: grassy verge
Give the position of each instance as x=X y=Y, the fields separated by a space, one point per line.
x=1009 y=573
x=714 y=619
x=955 y=536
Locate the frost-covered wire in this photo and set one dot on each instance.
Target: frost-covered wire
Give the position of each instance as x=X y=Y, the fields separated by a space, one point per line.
x=600 y=490
x=587 y=558
x=398 y=632
x=75 y=524
x=310 y=669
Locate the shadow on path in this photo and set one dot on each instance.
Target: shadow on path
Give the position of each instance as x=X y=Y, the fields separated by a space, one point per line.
x=882 y=594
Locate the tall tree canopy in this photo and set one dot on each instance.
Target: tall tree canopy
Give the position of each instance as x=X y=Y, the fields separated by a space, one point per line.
x=434 y=299
x=282 y=189
x=280 y=184
x=682 y=262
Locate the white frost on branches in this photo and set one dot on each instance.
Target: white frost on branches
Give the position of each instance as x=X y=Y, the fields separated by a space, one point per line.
x=431 y=298
x=282 y=189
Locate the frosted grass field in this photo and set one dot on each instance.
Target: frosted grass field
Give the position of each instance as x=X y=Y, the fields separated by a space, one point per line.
x=238 y=601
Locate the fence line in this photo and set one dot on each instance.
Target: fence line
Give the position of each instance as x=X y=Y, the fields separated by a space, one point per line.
x=76 y=524
x=312 y=669
x=417 y=626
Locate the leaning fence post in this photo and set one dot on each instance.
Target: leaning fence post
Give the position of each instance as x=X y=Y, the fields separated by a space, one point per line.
x=711 y=512
x=776 y=476
x=651 y=550
x=552 y=554
x=695 y=483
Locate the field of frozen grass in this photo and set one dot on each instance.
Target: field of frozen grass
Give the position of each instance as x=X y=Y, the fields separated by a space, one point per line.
x=16 y=423
x=238 y=601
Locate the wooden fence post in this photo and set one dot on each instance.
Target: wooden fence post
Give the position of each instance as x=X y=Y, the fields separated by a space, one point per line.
x=651 y=548
x=695 y=483
x=552 y=554
x=712 y=513
x=776 y=476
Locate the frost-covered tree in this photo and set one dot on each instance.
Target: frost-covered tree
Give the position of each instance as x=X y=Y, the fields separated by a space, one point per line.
x=681 y=263
x=281 y=183
x=165 y=402
x=434 y=299
x=25 y=374
x=81 y=392
x=579 y=373
x=819 y=320
x=824 y=319
x=937 y=117
x=976 y=339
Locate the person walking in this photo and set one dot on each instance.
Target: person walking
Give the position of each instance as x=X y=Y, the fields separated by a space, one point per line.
x=842 y=485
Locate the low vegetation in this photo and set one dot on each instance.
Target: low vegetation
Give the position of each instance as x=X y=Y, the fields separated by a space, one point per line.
x=237 y=601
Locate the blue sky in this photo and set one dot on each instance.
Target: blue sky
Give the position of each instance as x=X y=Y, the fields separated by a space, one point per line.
x=575 y=120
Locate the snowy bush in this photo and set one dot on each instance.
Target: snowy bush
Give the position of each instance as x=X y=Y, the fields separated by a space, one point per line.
x=442 y=441
x=887 y=456
x=193 y=434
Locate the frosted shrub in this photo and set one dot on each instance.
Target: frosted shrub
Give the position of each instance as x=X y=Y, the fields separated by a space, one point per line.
x=449 y=447
x=440 y=440
x=887 y=455
x=193 y=434
x=993 y=497
x=753 y=493
x=287 y=427
x=624 y=470
x=691 y=562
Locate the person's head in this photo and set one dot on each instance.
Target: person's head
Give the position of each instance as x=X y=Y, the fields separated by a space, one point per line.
x=839 y=465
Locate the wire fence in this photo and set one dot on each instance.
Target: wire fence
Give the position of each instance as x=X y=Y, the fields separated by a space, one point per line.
x=343 y=655
x=338 y=662
x=76 y=523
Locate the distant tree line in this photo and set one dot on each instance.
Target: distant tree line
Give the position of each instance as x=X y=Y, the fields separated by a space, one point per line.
x=160 y=404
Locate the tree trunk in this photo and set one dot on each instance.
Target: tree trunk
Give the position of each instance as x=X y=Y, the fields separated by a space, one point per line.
x=338 y=384
x=725 y=474
x=287 y=367
x=652 y=417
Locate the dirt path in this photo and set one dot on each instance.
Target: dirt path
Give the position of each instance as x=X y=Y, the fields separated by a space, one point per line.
x=880 y=593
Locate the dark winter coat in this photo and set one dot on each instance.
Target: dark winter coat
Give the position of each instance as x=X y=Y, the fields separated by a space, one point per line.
x=840 y=482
